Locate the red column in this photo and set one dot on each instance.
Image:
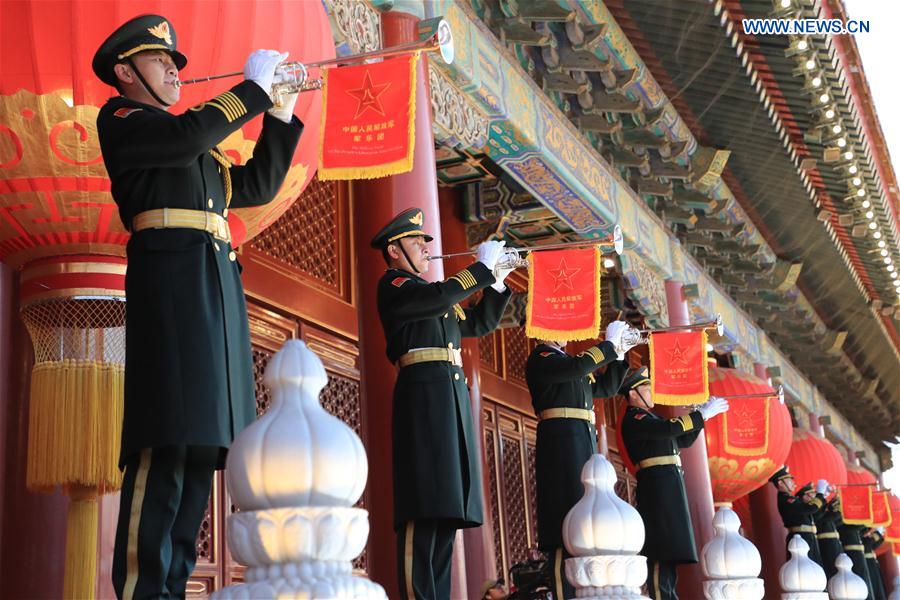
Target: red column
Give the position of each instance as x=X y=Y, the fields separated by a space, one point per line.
x=374 y=202
x=887 y=564
x=696 y=468
x=480 y=562
x=34 y=525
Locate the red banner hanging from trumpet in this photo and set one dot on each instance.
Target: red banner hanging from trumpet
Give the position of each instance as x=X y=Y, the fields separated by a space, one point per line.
x=856 y=504
x=881 y=509
x=678 y=373
x=563 y=294
x=892 y=532
x=368 y=119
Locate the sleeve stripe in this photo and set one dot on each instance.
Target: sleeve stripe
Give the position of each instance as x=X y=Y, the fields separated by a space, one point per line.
x=239 y=109
x=229 y=104
x=465 y=279
x=459 y=281
x=687 y=423
x=224 y=110
x=595 y=353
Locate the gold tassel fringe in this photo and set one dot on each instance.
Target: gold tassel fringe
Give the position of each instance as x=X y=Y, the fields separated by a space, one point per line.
x=81 y=549
x=75 y=425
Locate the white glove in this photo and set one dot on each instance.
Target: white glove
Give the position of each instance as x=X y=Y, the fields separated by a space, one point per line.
x=614 y=333
x=500 y=273
x=285 y=112
x=260 y=67
x=490 y=252
x=715 y=406
x=822 y=487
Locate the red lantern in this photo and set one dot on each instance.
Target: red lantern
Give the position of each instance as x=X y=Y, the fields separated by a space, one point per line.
x=813 y=458
x=58 y=221
x=747 y=444
x=859 y=475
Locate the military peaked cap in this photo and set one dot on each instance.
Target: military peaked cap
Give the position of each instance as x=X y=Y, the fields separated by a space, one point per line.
x=147 y=32
x=406 y=224
x=639 y=377
x=780 y=474
x=806 y=488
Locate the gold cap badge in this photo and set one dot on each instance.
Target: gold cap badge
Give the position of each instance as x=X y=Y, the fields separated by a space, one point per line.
x=161 y=31
x=417 y=220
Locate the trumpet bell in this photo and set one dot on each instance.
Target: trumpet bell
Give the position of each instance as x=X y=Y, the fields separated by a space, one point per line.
x=439 y=30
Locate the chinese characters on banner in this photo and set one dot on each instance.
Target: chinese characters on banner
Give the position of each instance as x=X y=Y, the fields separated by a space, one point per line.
x=368 y=119
x=678 y=373
x=745 y=426
x=856 y=504
x=563 y=294
x=881 y=509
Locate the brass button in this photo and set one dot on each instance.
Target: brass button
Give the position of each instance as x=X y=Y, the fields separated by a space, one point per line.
x=450 y=345
x=446 y=315
x=216 y=246
x=225 y=213
x=209 y=203
x=232 y=256
x=456 y=376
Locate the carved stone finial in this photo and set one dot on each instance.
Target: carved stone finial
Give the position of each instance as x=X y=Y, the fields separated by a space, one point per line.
x=845 y=584
x=801 y=578
x=730 y=562
x=295 y=475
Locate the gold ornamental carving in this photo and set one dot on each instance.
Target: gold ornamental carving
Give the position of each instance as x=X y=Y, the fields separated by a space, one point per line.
x=456 y=119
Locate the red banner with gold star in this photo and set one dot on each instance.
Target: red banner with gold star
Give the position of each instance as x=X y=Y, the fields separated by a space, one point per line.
x=368 y=119
x=856 y=504
x=563 y=295
x=678 y=373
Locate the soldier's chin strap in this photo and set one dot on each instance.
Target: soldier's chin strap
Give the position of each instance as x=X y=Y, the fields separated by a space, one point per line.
x=144 y=82
x=409 y=261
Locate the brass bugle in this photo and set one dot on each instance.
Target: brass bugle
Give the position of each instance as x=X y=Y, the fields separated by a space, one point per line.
x=778 y=393
x=642 y=336
x=294 y=76
x=615 y=241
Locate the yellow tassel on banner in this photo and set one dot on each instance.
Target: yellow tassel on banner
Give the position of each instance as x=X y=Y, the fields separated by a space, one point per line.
x=75 y=425
x=81 y=547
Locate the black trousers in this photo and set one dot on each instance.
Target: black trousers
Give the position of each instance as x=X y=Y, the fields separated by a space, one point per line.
x=877 y=588
x=164 y=496
x=560 y=586
x=424 y=552
x=662 y=579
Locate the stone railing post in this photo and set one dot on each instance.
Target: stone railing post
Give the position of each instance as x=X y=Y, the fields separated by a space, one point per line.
x=730 y=562
x=801 y=578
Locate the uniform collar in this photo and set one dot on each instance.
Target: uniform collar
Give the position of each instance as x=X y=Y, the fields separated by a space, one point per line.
x=405 y=273
x=126 y=101
x=548 y=347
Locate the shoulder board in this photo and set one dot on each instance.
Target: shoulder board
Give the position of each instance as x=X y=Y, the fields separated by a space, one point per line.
x=124 y=112
x=398 y=281
x=546 y=354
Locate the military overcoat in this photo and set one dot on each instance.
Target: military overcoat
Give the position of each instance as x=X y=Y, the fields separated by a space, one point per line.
x=852 y=540
x=797 y=513
x=188 y=370
x=871 y=543
x=437 y=466
x=827 y=536
x=661 y=495
x=556 y=380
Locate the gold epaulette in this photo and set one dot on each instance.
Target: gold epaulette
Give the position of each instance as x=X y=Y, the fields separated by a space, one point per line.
x=465 y=279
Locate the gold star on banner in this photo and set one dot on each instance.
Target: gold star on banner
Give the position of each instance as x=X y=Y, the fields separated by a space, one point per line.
x=368 y=95
x=562 y=275
x=676 y=354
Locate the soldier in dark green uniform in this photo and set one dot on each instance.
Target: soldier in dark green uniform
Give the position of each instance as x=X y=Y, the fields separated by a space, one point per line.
x=799 y=510
x=562 y=391
x=872 y=540
x=827 y=535
x=437 y=467
x=188 y=374
x=653 y=444
x=852 y=540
